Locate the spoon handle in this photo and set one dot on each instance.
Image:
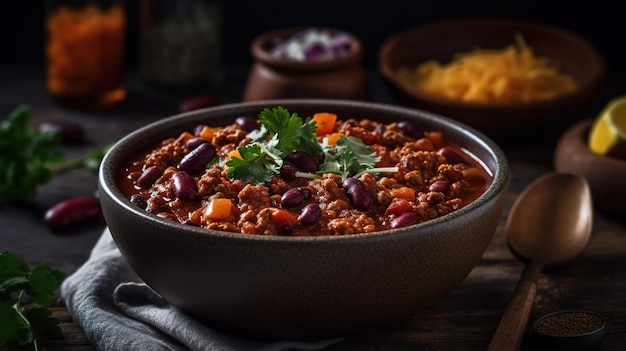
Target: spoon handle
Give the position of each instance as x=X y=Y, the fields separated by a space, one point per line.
x=509 y=334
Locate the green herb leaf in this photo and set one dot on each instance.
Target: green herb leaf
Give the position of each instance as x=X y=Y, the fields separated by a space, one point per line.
x=20 y=326
x=294 y=134
x=281 y=134
x=350 y=156
x=253 y=166
x=29 y=157
x=24 y=155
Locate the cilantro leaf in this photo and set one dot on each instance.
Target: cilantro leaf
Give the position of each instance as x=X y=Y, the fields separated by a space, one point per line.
x=29 y=157
x=281 y=134
x=21 y=326
x=350 y=156
x=253 y=166
x=294 y=133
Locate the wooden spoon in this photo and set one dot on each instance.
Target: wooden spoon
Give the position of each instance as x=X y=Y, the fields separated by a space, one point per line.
x=549 y=224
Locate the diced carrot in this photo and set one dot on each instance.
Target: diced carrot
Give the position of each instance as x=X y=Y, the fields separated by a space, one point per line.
x=325 y=122
x=218 y=209
x=473 y=175
x=234 y=153
x=398 y=206
x=436 y=138
x=333 y=138
x=208 y=132
x=283 y=218
x=403 y=193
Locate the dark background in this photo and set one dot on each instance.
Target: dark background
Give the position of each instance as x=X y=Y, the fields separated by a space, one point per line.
x=602 y=22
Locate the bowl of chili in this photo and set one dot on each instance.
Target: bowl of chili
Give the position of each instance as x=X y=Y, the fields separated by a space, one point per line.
x=278 y=227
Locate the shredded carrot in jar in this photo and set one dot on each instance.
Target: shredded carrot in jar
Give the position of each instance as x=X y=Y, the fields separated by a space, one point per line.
x=85 y=51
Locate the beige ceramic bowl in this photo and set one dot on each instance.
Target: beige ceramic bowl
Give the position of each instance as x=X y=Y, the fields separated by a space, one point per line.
x=442 y=40
x=304 y=287
x=274 y=77
x=605 y=174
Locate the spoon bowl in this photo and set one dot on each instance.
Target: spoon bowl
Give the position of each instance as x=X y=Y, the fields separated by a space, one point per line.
x=549 y=224
x=551 y=220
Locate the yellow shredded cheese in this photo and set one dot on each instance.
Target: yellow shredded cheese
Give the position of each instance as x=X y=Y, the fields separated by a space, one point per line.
x=511 y=74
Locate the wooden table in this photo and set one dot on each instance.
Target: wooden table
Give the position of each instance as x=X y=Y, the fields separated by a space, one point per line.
x=464 y=320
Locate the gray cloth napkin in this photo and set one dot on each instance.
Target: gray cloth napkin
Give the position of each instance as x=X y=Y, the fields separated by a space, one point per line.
x=117 y=311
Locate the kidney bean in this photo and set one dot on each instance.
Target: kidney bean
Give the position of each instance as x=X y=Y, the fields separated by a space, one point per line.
x=195 y=142
x=409 y=129
x=404 y=220
x=451 y=155
x=196 y=160
x=292 y=198
x=310 y=214
x=303 y=161
x=441 y=186
x=198 y=102
x=149 y=176
x=185 y=186
x=71 y=211
x=247 y=123
x=306 y=193
x=358 y=193
x=70 y=131
x=288 y=172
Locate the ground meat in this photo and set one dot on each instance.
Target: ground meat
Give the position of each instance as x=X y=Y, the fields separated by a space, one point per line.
x=257 y=209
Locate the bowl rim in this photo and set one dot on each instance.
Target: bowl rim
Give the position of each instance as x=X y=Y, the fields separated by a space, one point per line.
x=259 y=50
x=597 y=75
x=110 y=162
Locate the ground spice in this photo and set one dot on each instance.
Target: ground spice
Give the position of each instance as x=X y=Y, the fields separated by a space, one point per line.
x=569 y=323
x=85 y=53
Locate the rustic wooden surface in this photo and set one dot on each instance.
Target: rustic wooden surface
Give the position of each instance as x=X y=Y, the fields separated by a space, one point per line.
x=463 y=320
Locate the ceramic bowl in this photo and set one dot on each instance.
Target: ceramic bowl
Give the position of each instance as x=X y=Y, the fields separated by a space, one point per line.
x=574 y=330
x=276 y=77
x=441 y=40
x=605 y=174
x=303 y=287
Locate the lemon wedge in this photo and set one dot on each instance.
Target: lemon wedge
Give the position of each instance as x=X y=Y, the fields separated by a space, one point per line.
x=608 y=132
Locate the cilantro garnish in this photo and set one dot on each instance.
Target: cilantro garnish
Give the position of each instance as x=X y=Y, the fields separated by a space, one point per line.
x=349 y=156
x=29 y=157
x=282 y=133
x=21 y=327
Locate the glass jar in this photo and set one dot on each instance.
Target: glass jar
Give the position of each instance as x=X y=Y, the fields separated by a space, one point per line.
x=85 y=56
x=180 y=43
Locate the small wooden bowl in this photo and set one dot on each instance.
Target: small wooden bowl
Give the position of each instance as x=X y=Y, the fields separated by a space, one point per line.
x=605 y=174
x=440 y=41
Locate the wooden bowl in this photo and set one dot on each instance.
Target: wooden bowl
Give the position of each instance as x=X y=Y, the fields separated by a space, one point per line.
x=440 y=41
x=303 y=287
x=605 y=174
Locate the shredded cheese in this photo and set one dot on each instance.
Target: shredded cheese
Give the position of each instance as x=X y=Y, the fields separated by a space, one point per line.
x=511 y=74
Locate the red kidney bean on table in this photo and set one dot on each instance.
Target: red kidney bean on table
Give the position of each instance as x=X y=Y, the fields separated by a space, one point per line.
x=72 y=211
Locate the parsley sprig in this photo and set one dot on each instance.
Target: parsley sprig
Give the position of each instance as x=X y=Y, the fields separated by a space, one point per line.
x=282 y=133
x=22 y=328
x=30 y=157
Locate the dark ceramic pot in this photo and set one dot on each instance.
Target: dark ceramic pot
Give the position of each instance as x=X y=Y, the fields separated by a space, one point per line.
x=273 y=77
x=304 y=287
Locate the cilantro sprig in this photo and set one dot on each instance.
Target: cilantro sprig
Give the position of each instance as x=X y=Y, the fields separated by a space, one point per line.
x=22 y=328
x=30 y=157
x=282 y=133
x=349 y=156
